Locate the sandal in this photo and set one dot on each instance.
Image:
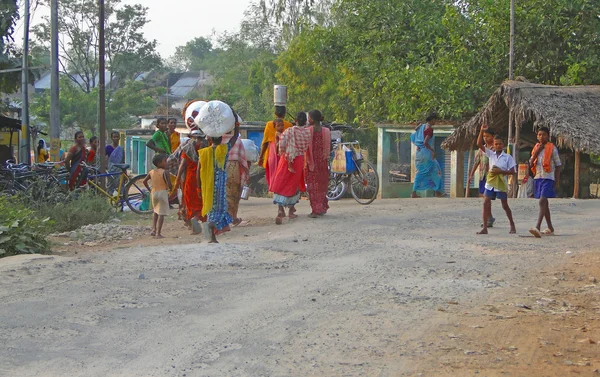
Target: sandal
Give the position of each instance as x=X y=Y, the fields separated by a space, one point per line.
x=547 y=232
x=153 y=233
x=536 y=233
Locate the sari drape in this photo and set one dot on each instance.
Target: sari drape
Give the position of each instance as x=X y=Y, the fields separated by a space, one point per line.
x=429 y=174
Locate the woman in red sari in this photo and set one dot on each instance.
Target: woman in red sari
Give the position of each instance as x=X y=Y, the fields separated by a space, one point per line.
x=76 y=157
x=288 y=182
x=317 y=167
x=191 y=193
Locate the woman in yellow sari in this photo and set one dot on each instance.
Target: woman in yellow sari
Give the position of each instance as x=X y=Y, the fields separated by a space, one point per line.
x=212 y=179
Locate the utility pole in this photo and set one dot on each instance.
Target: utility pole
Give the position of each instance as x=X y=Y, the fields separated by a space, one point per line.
x=54 y=99
x=511 y=56
x=101 y=87
x=25 y=130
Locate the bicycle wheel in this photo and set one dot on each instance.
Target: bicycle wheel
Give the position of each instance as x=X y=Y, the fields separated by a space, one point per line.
x=364 y=183
x=137 y=196
x=337 y=186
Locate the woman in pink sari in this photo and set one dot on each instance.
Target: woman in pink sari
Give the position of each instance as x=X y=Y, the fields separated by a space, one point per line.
x=317 y=167
x=288 y=182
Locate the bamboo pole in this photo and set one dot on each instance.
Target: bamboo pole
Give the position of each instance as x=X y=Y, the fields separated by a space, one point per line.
x=576 y=179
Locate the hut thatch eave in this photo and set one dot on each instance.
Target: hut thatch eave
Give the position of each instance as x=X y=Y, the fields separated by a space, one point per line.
x=572 y=113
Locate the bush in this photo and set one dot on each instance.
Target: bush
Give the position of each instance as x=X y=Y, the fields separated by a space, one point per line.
x=86 y=209
x=21 y=230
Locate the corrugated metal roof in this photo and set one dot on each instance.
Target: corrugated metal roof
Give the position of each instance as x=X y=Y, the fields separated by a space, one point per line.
x=186 y=83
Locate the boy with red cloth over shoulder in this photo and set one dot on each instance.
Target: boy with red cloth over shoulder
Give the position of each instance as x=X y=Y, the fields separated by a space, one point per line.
x=545 y=165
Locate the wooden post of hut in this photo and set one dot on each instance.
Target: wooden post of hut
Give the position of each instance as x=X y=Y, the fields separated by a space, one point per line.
x=577 y=170
x=516 y=157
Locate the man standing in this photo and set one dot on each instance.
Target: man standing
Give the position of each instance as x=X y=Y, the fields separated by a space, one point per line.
x=545 y=164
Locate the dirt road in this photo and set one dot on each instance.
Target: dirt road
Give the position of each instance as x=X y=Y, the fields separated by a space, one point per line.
x=397 y=288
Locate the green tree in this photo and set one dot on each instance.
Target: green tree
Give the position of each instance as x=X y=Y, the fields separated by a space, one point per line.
x=193 y=55
x=79 y=110
x=128 y=52
x=8 y=16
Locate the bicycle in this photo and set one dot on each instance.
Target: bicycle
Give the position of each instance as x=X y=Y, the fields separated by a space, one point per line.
x=363 y=181
x=130 y=191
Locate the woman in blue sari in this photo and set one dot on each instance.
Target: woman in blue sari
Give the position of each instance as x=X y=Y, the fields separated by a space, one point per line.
x=429 y=174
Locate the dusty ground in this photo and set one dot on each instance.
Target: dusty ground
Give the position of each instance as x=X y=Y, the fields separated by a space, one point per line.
x=398 y=288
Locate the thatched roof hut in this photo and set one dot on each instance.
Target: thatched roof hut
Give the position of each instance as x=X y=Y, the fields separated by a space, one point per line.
x=572 y=113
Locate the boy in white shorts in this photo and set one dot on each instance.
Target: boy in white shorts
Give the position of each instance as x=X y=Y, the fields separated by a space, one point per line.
x=161 y=186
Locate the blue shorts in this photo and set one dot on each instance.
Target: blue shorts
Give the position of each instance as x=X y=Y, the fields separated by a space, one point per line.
x=482 y=186
x=493 y=194
x=544 y=188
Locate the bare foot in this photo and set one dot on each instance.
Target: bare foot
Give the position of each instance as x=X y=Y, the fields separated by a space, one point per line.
x=513 y=230
x=483 y=231
x=159 y=236
x=153 y=233
x=278 y=220
x=237 y=222
x=414 y=196
x=313 y=216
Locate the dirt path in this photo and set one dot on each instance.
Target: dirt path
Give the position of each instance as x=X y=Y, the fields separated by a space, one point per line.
x=398 y=288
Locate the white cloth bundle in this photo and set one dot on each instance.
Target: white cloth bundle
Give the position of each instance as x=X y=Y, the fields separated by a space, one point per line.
x=215 y=119
x=252 y=151
x=192 y=110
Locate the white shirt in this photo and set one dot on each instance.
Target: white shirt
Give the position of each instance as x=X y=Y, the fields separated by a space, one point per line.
x=503 y=161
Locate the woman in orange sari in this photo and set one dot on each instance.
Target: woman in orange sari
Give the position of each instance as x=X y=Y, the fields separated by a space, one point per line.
x=191 y=192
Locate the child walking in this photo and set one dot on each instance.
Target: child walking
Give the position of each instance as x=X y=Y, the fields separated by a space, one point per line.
x=161 y=186
x=482 y=162
x=545 y=164
x=501 y=164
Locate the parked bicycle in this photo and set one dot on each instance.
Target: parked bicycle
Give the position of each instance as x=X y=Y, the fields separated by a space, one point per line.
x=363 y=182
x=129 y=191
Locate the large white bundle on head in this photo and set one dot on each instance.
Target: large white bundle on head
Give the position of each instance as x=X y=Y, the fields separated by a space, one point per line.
x=191 y=112
x=215 y=119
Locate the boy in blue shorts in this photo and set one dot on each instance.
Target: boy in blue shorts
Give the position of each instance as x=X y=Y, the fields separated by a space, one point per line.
x=545 y=164
x=482 y=163
x=501 y=164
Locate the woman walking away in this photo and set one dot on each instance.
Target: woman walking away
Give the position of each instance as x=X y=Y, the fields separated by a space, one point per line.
x=213 y=182
x=273 y=156
x=188 y=168
x=429 y=174
x=289 y=178
x=161 y=185
x=317 y=168
x=74 y=161
x=237 y=174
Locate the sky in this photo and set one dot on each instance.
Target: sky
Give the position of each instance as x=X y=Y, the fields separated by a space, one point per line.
x=174 y=22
